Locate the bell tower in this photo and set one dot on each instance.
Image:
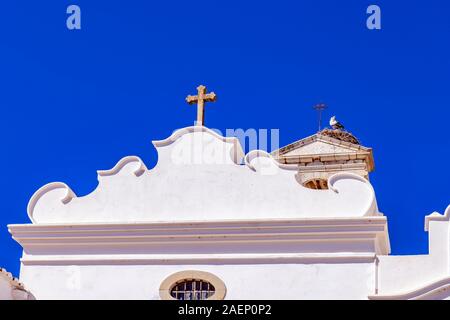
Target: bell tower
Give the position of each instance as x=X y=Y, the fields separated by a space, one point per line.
x=325 y=153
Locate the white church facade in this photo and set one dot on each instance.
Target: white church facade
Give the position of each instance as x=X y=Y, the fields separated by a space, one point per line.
x=210 y=222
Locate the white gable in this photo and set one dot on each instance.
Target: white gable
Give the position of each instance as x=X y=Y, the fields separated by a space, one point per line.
x=199 y=177
x=319 y=147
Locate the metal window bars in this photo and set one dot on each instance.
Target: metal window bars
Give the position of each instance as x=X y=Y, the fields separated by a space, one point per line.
x=192 y=289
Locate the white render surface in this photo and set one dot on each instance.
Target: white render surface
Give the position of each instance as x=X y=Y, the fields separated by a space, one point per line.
x=246 y=219
x=261 y=281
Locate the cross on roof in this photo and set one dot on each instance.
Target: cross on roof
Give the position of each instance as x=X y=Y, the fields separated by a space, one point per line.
x=320 y=107
x=200 y=99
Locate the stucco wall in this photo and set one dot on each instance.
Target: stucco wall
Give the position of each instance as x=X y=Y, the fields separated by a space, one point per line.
x=266 y=281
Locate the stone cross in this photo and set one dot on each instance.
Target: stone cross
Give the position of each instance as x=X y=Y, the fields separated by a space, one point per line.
x=200 y=99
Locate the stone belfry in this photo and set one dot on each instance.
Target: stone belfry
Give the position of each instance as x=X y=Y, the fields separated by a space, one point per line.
x=325 y=153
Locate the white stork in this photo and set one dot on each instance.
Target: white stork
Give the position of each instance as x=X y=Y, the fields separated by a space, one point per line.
x=336 y=124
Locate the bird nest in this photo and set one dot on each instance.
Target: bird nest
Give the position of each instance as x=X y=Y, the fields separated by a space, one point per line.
x=340 y=135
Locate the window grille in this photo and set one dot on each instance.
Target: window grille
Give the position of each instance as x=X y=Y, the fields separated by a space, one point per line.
x=192 y=289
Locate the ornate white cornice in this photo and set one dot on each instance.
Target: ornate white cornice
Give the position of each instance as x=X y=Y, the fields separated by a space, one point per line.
x=196 y=241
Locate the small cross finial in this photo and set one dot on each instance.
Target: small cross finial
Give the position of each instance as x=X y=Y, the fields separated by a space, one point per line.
x=320 y=107
x=200 y=99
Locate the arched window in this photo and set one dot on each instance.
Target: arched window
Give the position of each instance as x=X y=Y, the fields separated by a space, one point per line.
x=317 y=184
x=192 y=285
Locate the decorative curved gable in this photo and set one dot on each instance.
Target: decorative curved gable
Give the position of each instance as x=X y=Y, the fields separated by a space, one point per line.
x=201 y=175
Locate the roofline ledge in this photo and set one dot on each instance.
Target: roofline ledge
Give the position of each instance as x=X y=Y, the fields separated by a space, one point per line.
x=436 y=216
x=421 y=293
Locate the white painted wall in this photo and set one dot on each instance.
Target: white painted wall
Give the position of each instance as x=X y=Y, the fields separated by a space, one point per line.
x=420 y=276
x=266 y=281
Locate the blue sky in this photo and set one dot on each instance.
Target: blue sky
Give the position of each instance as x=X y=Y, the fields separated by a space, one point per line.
x=77 y=101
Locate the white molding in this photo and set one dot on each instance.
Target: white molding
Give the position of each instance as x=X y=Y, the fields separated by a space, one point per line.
x=68 y=196
x=272 y=240
x=435 y=216
x=319 y=137
x=140 y=167
x=425 y=292
x=238 y=153
x=332 y=167
x=252 y=155
x=195 y=259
